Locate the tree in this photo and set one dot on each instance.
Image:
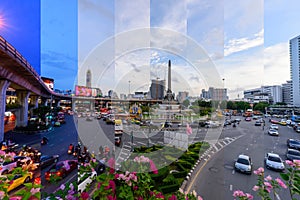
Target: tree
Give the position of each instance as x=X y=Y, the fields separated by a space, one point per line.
x=261 y=106
x=186 y=103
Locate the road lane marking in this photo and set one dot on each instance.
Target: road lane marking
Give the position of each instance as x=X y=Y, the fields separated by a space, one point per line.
x=233 y=171
x=195 y=177
x=247 y=149
x=230 y=187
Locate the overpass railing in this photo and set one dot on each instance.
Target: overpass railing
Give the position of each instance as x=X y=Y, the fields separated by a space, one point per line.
x=8 y=47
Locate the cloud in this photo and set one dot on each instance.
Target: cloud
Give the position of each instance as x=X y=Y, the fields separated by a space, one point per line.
x=58 y=60
x=130 y=15
x=243 y=70
x=240 y=44
x=276 y=64
x=243 y=17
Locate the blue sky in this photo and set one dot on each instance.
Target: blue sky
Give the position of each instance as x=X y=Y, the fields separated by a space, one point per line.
x=21 y=28
x=245 y=42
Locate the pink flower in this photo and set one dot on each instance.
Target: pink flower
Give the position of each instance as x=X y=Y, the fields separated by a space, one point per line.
x=84 y=195
x=255 y=188
x=140 y=198
x=173 y=197
x=200 y=198
x=2 y=153
x=116 y=176
x=136 y=159
x=159 y=195
x=268 y=178
x=121 y=176
x=34 y=190
x=297 y=163
x=268 y=185
x=259 y=171
x=135 y=187
x=153 y=167
x=111 y=164
x=279 y=181
x=239 y=193
x=110 y=197
x=290 y=163
x=62 y=187
x=2 y=194
x=249 y=196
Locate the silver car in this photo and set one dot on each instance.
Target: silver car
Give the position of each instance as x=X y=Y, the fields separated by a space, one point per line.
x=274 y=162
x=293 y=154
x=243 y=164
x=274 y=126
x=273 y=132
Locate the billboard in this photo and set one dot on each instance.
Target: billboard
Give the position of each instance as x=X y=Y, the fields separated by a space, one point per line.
x=49 y=82
x=83 y=91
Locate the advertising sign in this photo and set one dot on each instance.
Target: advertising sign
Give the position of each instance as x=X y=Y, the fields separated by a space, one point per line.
x=83 y=91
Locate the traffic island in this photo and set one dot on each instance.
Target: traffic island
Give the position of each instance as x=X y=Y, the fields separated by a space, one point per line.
x=33 y=129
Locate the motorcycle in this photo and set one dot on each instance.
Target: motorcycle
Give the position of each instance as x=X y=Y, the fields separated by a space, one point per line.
x=44 y=141
x=70 y=149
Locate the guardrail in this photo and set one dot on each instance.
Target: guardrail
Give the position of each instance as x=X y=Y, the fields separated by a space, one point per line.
x=8 y=47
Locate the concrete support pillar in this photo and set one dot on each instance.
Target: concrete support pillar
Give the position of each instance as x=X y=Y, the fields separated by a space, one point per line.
x=35 y=101
x=22 y=99
x=92 y=105
x=3 y=87
x=73 y=104
x=57 y=103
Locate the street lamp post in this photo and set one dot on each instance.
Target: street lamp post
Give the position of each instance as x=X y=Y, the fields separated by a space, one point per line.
x=131 y=140
x=129 y=89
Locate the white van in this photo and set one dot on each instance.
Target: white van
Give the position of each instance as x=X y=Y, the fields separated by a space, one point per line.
x=118 y=127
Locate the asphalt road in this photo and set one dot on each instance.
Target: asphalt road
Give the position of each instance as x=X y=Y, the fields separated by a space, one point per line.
x=218 y=179
x=59 y=140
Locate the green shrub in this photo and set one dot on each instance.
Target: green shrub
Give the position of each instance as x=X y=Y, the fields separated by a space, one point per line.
x=167 y=189
x=180 y=174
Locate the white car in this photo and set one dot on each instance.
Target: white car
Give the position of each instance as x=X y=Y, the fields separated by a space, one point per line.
x=18 y=161
x=273 y=132
x=85 y=179
x=274 y=126
x=243 y=164
x=274 y=162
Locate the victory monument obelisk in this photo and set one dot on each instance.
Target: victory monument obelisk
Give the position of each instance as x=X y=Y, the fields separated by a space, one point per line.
x=169 y=96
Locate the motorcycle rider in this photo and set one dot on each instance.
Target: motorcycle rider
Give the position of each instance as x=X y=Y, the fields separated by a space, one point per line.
x=70 y=149
x=44 y=140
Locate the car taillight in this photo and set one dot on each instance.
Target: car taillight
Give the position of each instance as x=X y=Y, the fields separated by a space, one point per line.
x=1 y=168
x=58 y=173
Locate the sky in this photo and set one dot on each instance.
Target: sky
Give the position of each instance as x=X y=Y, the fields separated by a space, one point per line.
x=238 y=45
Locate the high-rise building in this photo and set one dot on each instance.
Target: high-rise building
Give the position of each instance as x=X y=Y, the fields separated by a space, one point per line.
x=89 y=78
x=286 y=93
x=274 y=92
x=182 y=96
x=204 y=94
x=250 y=94
x=157 y=89
x=218 y=94
x=295 y=71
